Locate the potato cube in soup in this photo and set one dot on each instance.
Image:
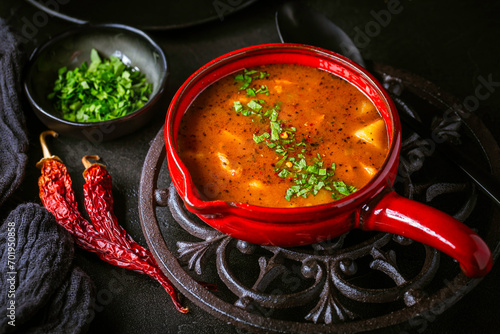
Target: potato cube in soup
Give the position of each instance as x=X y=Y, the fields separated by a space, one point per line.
x=256 y=184
x=369 y=170
x=226 y=164
x=373 y=133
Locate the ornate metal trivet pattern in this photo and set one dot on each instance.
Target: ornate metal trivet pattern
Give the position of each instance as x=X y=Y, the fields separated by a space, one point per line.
x=331 y=268
x=357 y=282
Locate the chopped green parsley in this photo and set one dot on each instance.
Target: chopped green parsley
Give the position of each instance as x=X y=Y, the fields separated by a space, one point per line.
x=104 y=90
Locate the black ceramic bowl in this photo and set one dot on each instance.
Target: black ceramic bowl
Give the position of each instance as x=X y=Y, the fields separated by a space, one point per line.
x=71 y=49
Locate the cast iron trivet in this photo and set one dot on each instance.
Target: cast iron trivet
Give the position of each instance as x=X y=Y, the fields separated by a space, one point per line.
x=358 y=282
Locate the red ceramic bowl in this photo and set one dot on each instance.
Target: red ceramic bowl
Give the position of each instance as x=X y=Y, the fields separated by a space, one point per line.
x=376 y=207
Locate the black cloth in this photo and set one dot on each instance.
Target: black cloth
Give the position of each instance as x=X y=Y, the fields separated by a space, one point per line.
x=49 y=293
x=41 y=289
x=13 y=138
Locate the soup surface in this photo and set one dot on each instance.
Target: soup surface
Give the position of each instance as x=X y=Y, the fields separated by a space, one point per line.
x=281 y=135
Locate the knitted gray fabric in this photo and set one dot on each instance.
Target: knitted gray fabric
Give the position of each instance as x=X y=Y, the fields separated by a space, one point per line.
x=41 y=291
x=50 y=294
x=13 y=138
x=70 y=309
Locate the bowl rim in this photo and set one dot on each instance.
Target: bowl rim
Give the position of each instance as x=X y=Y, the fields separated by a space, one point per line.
x=27 y=86
x=191 y=195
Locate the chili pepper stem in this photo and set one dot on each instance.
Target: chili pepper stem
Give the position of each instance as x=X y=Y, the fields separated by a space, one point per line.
x=45 y=149
x=85 y=160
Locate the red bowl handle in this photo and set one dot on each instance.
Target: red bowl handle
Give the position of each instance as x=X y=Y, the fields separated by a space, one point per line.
x=399 y=215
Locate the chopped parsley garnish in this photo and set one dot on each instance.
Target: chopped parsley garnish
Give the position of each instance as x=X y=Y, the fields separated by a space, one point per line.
x=254 y=91
x=284 y=173
x=237 y=106
x=261 y=138
x=275 y=130
x=255 y=105
x=104 y=90
x=307 y=177
x=246 y=79
x=343 y=188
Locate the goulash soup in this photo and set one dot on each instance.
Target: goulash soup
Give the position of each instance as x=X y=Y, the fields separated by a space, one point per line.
x=282 y=135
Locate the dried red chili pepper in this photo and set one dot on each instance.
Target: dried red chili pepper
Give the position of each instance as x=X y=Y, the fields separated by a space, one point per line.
x=99 y=199
x=57 y=196
x=99 y=205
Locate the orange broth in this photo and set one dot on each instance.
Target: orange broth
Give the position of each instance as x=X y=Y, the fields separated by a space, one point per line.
x=325 y=139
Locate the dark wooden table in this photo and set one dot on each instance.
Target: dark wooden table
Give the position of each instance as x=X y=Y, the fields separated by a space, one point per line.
x=454 y=44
